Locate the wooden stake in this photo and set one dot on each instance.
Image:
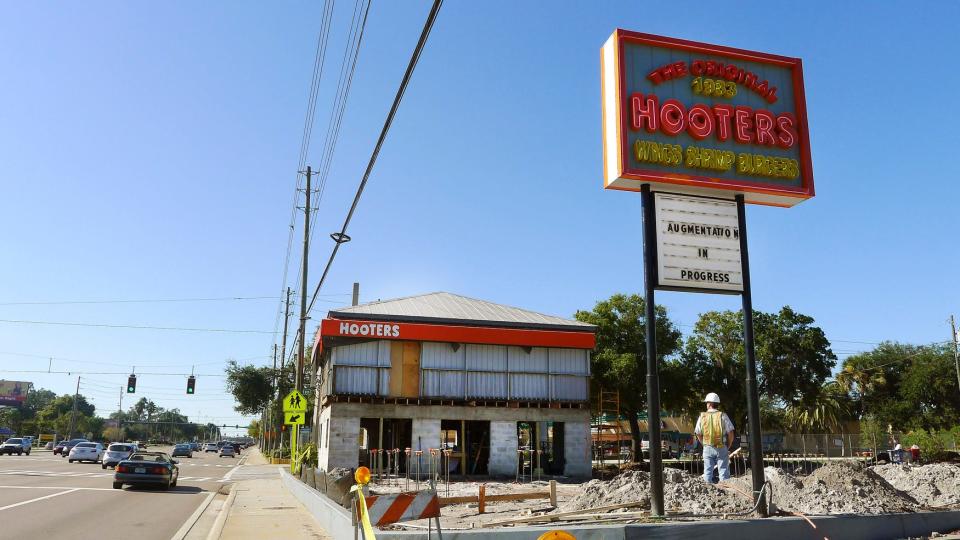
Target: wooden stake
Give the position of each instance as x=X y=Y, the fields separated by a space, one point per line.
x=482 y=499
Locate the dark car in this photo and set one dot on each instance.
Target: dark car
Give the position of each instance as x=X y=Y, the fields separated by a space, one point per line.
x=68 y=446
x=147 y=468
x=58 y=448
x=195 y=446
x=183 y=450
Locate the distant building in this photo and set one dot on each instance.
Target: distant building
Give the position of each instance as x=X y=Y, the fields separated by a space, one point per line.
x=439 y=370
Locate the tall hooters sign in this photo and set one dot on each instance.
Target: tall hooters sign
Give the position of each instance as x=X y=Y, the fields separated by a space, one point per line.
x=702 y=119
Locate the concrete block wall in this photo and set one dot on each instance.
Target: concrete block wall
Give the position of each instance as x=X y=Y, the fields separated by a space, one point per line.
x=322 y=418
x=576 y=449
x=342 y=448
x=425 y=434
x=503 y=449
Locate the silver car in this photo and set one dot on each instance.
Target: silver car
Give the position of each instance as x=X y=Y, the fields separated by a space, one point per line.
x=227 y=451
x=116 y=453
x=86 y=451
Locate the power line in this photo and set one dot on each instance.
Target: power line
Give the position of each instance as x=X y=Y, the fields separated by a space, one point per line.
x=124 y=373
x=136 y=327
x=344 y=83
x=51 y=358
x=304 y=148
x=138 y=301
x=424 y=34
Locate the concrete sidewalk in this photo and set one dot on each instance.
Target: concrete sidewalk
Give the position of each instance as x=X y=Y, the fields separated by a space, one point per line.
x=259 y=506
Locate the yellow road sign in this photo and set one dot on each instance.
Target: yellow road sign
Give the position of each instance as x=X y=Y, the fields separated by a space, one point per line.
x=295 y=402
x=293 y=418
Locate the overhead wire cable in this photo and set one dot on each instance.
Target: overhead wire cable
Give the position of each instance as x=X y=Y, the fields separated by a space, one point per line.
x=415 y=57
x=135 y=327
x=344 y=83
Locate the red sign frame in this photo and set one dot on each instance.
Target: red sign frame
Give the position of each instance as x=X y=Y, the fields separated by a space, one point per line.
x=754 y=192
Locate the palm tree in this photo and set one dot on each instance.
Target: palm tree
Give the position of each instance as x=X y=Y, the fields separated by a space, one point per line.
x=825 y=412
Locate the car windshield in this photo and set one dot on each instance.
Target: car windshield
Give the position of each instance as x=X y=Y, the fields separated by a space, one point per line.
x=119 y=448
x=86 y=445
x=14 y=441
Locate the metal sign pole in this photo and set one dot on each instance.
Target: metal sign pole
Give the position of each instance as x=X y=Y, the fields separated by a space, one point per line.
x=650 y=322
x=753 y=399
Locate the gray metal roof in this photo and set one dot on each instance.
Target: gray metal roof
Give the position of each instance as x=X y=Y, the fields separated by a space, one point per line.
x=447 y=308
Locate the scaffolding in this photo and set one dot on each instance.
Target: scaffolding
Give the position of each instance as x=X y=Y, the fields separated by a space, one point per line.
x=606 y=420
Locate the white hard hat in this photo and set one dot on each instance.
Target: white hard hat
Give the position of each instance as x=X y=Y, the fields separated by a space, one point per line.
x=712 y=398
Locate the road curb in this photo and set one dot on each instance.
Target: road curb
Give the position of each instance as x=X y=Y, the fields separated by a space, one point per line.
x=217 y=528
x=192 y=520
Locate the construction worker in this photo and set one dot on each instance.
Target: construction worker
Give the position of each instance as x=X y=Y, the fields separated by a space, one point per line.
x=715 y=431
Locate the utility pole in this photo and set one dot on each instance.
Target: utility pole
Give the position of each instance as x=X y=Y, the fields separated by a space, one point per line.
x=286 y=319
x=272 y=419
x=956 y=349
x=298 y=379
x=120 y=417
x=73 y=415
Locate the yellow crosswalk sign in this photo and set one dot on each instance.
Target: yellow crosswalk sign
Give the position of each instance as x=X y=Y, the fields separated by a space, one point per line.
x=295 y=402
x=293 y=418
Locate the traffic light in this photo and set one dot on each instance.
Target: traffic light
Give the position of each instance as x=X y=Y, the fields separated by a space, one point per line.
x=131 y=384
x=191 y=384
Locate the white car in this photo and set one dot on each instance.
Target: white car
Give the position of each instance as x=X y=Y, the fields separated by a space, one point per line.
x=116 y=453
x=210 y=447
x=227 y=451
x=86 y=451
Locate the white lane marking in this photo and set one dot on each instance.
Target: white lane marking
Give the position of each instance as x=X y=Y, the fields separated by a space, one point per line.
x=52 y=495
x=230 y=473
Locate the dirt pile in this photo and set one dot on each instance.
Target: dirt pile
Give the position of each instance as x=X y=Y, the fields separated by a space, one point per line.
x=681 y=492
x=835 y=488
x=937 y=484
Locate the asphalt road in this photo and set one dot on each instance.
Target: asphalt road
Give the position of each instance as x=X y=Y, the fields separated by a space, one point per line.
x=43 y=496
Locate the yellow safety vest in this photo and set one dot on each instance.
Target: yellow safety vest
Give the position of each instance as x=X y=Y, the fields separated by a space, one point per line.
x=711 y=427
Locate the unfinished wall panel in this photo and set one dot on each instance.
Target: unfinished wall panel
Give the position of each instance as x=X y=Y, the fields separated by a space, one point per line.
x=570 y=361
x=487 y=385
x=486 y=358
x=357 y=354
x=535 y=361
x=569 y=387
x=356 y=380
x=442 y=356
x=443 y=383
x=529 y=386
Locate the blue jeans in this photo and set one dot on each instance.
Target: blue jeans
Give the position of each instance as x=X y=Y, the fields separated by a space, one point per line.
x=711 y=457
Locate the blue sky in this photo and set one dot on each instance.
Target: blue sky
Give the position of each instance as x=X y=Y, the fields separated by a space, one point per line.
x=150 y=152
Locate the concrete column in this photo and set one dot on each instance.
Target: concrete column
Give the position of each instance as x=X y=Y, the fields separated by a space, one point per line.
x=426 y=434
x=503 y=449
x=323 y=453
x=344 y=436
x=576 y=449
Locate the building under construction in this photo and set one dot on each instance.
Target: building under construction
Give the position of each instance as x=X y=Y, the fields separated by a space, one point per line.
x=493 y=384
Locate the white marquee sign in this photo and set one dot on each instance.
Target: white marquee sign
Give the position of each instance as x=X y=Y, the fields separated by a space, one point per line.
x=698 y=244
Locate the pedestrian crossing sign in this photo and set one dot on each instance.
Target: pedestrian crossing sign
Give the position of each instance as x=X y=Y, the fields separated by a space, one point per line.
x=295 y=402
x=293 y=418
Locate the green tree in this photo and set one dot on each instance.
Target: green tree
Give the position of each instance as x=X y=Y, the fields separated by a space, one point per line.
x=794 y=360
x=905 y=386
x=619 y=359
x=254 y=429
x=251 y=386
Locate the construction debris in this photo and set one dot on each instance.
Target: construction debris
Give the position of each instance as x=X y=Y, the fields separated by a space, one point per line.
x=836 y=488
